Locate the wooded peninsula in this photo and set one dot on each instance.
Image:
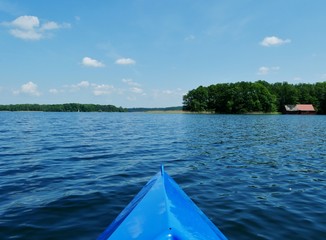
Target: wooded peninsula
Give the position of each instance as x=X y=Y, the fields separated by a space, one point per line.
x=259 y=96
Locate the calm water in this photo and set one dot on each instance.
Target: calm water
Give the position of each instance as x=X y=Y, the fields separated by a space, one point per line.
x=68 y=175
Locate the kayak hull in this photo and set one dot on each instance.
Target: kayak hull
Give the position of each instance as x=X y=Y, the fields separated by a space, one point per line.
x=161 y=210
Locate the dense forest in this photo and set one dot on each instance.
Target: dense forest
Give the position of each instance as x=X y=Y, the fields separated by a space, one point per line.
x=259 y=96
x=68 y=107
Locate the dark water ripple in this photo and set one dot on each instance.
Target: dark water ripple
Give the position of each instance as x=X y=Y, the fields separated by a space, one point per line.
x=68 y=175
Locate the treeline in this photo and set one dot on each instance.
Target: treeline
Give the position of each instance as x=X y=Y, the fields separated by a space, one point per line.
x=259 y=96
x=67 y=107
x=154 y=109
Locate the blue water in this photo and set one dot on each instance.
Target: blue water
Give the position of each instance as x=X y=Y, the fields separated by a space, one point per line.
x=68 y=175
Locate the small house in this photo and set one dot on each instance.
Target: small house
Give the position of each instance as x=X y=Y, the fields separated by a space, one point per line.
x=300 y=109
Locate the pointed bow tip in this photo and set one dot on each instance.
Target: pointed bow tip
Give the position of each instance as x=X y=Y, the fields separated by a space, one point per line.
x=162 y=169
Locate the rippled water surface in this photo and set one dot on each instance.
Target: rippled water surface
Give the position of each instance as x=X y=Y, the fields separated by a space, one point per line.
x=68 y=175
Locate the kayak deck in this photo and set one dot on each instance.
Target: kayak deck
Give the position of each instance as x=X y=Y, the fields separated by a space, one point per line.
x=161 y=210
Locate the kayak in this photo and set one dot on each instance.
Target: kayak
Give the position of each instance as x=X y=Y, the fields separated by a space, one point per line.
x=161 y=210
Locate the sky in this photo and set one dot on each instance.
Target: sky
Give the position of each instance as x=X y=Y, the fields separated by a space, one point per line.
x=149 y=53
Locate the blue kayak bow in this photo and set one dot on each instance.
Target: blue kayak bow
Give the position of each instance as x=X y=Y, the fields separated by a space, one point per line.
x=161 y=210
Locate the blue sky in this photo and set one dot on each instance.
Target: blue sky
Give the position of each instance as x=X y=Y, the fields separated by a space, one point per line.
x=149 y=53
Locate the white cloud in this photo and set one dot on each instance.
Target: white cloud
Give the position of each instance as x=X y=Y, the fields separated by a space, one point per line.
x=134 y=86
x=26 y=22
x=136 y=90
x=89 y=62
x=130 y=82
x=26 y=34
x=54 y=91
x=29 y=88
x=273 y=41
x=125 y=61
x=30 y=27
x=83 y=84
x=78 y=86
x=131 y=90
x=102 y=89
x=50 y=26
x=263 y=71
x=267 y=70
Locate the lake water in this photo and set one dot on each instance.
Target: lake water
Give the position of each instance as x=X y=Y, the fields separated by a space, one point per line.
x=68 y=175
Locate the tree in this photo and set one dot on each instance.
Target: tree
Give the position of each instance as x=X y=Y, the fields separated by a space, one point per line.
x=285 y=94
x=320 y=91
x=196 y=100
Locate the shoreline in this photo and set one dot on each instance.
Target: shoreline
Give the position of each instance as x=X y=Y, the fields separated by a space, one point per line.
x=205 y=112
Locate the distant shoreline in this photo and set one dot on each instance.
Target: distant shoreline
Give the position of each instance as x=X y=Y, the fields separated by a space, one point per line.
x=66 y=107
x=168 y=111
x=205 y=112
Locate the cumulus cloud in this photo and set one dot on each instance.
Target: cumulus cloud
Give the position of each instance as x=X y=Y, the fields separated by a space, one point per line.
x=29 y=88
x=83 y=84
x=136 y=90
x=90 y=62
x=134 y=87
x=75 y=87
x=131 y=88
x=267 y=70
x=26 y=22
x=102 y=89
x=125 y=61
x=94 y=88
x=273 y=41
x=54 y=91
x=50 y=26
x=263 y=71
x=130 y=82
x=31 y=28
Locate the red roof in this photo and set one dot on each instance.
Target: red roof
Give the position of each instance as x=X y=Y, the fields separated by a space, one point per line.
x=305 y=107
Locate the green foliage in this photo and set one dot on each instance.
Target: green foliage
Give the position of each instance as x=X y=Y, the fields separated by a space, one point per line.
x=320 y=91
x=68 y=107
x=198 y=100
x=260 y=96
